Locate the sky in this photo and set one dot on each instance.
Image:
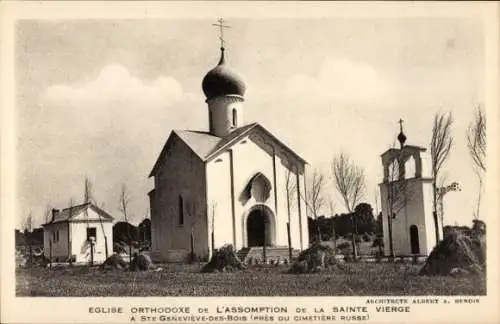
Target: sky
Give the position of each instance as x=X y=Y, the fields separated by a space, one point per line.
x=98 y=98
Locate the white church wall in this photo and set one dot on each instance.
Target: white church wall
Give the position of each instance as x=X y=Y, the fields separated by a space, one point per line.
x=249 y=159
x=251 y=155
x=182 y=175
x=219 y=199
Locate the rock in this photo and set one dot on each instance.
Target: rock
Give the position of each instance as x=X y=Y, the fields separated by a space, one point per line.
x=458 y=272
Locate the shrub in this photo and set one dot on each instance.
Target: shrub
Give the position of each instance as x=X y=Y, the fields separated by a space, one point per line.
x=457 y=251
x=319 y=256
x=378 y=241
x=142 y=262
x=343 y=245
x=366 y=237
x=224 y=259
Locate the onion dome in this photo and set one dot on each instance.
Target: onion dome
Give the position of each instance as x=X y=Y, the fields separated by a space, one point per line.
x=222 y=81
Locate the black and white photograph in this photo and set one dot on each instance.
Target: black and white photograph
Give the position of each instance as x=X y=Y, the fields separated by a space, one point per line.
x=250 y=153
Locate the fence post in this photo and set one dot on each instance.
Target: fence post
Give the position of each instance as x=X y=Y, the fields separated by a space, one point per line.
x=91 y=252
x=50 y=253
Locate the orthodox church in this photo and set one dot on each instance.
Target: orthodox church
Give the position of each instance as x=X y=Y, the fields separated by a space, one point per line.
x=235 y=184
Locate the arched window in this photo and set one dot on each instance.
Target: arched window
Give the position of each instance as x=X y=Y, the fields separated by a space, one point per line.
x=414 y=241
x=410 y=168
x=394 y=171
x=181 y=211
x=235 y=117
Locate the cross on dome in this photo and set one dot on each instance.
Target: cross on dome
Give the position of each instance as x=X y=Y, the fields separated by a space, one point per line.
x=221 y=30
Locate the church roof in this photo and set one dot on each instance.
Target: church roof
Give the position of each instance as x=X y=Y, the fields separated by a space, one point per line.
x=207 y=146
x=72 y=212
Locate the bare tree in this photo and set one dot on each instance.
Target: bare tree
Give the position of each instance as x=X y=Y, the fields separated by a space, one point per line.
x=350 y=184
x=48 y=213
x=441 y=144
x=88 y=197
x=87 y=193
x=192 y=208
x=28 y=227
x=476 y=142
x=315 y=199
x=290 y=191
x=331 y=209
x=213 y=206
x=123 y=206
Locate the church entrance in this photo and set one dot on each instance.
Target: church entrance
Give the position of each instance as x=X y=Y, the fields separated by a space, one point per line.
x=260 y=228
x=415 y=246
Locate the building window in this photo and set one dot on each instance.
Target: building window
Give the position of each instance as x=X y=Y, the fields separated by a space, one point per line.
x=91 y=232
x=55 y=236
x=181 y=211
x=235 y=117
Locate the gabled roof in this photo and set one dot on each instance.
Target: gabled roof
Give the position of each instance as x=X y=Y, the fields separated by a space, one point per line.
x=72 y=212
x=206 y=146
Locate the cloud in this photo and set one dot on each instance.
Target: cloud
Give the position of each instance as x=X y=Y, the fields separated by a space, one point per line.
x=115 y=84
x=340 y=80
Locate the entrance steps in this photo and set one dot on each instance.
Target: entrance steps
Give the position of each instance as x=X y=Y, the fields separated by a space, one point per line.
x=274 y=254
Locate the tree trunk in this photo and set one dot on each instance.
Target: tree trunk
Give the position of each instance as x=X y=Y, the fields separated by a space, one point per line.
x=289 y=241
x=91 y=253
x=434 y=212
x=106 y=246
x=213 y=242
x=130 y=251
x=353 y=239
x=391 y=246
x=192 y=256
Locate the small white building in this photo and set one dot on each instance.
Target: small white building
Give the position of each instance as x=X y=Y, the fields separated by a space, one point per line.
x=406 y=193
x=70 y=232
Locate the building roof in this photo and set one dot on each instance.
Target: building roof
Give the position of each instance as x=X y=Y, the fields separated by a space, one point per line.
x=73 y=212
x=206 y=145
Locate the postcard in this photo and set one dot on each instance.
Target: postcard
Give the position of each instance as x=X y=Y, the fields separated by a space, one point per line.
x=249 y=162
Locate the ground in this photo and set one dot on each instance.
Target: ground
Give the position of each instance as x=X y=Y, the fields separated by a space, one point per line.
x=353 y=279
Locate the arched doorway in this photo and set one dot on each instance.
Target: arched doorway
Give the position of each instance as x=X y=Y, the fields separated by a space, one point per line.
x=260 y=227
x=415 y=246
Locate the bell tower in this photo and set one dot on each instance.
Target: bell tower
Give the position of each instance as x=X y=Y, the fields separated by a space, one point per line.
x=406 y=198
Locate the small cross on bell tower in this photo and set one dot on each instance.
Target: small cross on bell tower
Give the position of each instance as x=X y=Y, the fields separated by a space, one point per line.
x=401 y=136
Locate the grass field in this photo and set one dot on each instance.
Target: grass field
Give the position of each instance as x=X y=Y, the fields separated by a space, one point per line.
x=353 y=279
